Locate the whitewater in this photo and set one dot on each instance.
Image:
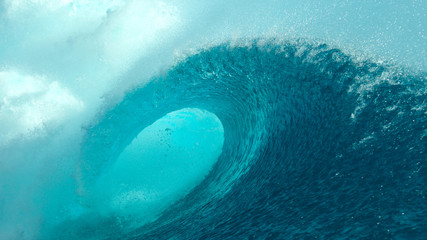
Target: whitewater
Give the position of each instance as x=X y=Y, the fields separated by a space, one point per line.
x=127 y=119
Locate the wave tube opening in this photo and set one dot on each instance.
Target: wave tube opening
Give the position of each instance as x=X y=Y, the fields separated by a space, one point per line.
x=165 y=160
x=160 y=165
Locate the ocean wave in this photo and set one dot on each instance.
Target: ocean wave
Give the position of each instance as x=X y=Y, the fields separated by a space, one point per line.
x=316 y=145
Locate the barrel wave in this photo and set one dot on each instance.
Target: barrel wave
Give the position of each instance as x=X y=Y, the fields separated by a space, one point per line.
x=130 y=119
x=317 y=145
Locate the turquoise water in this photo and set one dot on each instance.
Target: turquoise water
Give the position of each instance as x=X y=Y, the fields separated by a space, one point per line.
x=212 y=120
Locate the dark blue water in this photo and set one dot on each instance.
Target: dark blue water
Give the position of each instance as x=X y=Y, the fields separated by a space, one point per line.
x=318 y=145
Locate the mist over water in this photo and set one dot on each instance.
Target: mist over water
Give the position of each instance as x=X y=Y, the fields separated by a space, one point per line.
x=212 y=119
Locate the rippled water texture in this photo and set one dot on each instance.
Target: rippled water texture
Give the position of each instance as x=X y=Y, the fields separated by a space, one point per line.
x=242 y=136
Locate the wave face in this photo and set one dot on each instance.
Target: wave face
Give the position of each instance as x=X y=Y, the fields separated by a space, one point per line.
x=317 y=145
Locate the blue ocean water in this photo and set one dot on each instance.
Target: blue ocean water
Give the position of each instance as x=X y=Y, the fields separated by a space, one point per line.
x=195 y=120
